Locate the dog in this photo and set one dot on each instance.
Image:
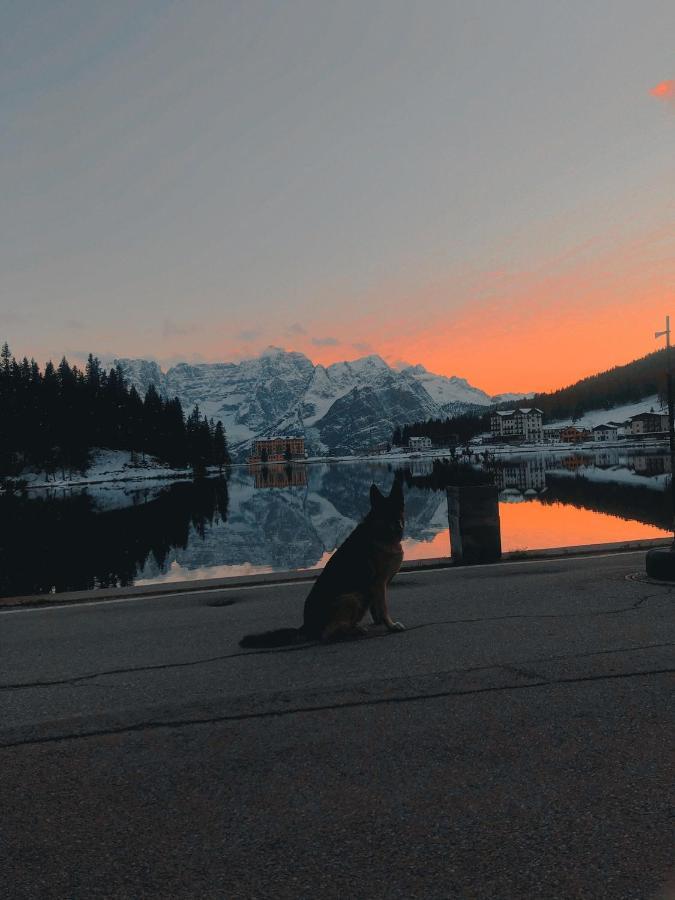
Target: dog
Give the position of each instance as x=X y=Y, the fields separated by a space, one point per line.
x=354 y=580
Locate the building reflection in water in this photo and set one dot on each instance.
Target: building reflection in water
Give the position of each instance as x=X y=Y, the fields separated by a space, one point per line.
x=527 y=475
x=279 y=475
x=420 y=467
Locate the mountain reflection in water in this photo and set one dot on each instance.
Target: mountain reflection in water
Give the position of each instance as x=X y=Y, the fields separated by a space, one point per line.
x=292 y=516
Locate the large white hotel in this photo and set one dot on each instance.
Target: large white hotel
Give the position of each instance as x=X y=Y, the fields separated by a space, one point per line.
x=524 y=423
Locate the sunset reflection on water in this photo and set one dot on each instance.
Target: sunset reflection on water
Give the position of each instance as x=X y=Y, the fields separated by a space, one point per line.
x=535 y=526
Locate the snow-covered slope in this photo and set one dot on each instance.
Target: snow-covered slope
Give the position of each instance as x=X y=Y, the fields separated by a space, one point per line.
x=446 y=391
x=338 y=408
x=616 y=413
x=511 y=398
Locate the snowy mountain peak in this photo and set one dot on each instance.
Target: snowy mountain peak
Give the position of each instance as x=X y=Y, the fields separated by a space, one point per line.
x=341 y=407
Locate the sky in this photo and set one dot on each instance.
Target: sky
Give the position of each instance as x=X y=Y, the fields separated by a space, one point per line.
x=485 y=188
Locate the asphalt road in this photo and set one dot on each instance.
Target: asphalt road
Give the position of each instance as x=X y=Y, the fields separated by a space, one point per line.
x=515 y=741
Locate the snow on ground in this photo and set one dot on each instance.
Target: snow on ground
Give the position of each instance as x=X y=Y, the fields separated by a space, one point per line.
x=106 y=466
x=616 y=414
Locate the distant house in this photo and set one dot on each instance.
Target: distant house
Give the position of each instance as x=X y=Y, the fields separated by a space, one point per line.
x=623 y=429
x=376 y=449
x=551 y=433
x=525 y=424
x=277 y=449
x=606 y=432
x=419 y=443
x=649 y=423
x=570 y=434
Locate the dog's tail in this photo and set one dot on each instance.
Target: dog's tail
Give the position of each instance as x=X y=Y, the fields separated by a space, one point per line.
x=280 y=637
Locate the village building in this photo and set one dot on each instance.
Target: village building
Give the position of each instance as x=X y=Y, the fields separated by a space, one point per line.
x=419 y=443
x=551 y=433
x=649 y=423
x=377 y=449
x=277 y=449
x=623 y=429
x=525 y=424
x=570 y=434
x=605 y=432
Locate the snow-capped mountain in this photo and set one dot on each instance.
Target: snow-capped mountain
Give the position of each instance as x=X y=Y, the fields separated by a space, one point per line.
x=338 y=408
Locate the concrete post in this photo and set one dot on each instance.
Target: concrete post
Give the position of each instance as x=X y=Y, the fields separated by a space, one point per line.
x=473 y=517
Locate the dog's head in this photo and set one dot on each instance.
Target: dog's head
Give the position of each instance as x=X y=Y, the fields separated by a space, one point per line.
x=388 y=512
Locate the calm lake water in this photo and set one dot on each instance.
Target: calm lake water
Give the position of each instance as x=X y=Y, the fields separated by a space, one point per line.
x=283 y=518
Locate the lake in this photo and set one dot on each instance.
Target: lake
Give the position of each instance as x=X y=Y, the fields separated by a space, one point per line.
x=281 y=518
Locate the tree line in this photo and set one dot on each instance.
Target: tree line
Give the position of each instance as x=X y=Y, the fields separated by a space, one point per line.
x=614 y=387
x=446 y=432
x=52 y=419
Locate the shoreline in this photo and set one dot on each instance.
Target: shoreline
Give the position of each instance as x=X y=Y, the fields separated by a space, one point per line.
x=157 y=473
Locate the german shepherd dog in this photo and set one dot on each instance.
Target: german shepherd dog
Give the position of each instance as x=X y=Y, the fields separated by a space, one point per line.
x=354 y=580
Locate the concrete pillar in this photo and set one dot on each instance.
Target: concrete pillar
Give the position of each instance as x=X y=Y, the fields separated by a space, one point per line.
x=473 y=516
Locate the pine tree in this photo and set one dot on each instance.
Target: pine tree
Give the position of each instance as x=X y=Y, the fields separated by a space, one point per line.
x=221 y=456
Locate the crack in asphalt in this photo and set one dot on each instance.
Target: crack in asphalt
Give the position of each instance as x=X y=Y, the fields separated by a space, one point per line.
x=349 y=704
x=604 y=612
x=75 y=679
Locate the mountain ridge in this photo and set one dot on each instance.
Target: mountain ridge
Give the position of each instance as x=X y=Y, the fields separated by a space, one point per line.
x=340 y=408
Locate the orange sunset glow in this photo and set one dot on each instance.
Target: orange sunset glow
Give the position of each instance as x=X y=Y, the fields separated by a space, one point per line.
x=664 y=89
x=538 y=526
x=522 y=330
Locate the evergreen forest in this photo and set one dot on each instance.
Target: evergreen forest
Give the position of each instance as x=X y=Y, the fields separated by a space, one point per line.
x=51 y=419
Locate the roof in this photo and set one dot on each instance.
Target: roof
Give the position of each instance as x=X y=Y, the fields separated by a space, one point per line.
x=609 y=425
x=520 y=409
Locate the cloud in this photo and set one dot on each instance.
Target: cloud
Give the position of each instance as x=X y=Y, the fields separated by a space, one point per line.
x=295 y=328
x=171 y=328
x=325 y=342
x=167 y=361
x=12 y=317
x=363 y=347
x=249 y=334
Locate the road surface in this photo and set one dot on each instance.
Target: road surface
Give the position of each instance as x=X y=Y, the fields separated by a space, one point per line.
x=515 y=741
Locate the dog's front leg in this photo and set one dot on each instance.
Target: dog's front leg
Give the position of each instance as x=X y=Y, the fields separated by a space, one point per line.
x=379 y=611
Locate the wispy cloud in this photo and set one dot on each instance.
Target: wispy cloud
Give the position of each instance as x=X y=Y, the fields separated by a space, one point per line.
x=167 y=361
x=295 y=329
x=11 y=317
x=325 y=342
x=249 y=334
x=172 y=328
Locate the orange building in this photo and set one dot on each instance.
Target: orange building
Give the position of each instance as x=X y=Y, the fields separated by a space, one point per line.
x=277 y=449
x=574 y=435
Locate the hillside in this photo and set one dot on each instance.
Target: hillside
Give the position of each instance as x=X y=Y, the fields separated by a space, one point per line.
x=621 y=385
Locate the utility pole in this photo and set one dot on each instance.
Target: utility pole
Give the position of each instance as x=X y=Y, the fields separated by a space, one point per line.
x=671 y=426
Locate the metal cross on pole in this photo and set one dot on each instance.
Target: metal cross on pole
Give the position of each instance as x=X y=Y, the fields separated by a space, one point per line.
x=671 y=429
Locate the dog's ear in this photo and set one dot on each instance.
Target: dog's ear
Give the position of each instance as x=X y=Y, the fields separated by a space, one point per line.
x=375 y=496
x=396 y=492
